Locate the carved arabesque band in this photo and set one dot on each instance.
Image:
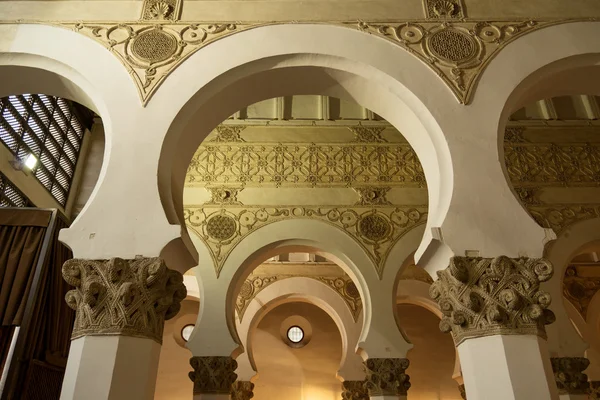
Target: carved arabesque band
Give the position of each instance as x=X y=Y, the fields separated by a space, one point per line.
x=492 y=296
x=387 y=376
x=213 y=375
x=122 y=297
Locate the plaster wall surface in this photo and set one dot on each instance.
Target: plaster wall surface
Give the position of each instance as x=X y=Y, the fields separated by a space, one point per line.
x=297 y=374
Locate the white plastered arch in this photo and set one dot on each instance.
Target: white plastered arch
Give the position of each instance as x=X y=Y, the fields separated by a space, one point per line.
x=73 y=66
x=233 y=72
x=302 y=289
x=297 y=234
x=484 y=216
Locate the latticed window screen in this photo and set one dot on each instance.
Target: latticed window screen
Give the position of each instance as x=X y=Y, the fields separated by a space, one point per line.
x=10 y=196
x=49 y=128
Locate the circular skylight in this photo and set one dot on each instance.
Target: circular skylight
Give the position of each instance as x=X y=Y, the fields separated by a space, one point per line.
x=186 y=332
x=295 y=334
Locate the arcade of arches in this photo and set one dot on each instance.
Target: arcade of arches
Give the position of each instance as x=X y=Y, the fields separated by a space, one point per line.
x=300 y=206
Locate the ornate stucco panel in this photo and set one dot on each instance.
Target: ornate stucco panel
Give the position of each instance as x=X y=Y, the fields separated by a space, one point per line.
x=375 y=229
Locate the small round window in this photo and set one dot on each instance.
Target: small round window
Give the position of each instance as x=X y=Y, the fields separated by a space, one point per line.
x=186 y=332
x=295 y=334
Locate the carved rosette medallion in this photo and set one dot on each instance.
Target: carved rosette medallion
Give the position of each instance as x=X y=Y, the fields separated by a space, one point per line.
x=122 y=297
x=242 y=390
x=213 y=375
x=387 y=377
x=569 y=376
x=354 y=390
x=493 y=296
x=444 y=9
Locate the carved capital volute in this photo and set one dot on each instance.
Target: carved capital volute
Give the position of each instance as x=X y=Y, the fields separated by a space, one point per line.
x=387 y=377
x=569 y=376
x=213 y=375
x=493 y=296
x=242 y=390
x=122 y=297
x=354 y=390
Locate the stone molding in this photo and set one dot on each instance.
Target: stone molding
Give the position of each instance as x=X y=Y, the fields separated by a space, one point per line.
x=568 y=372
x=456 y=49
x=213 y=375
x=122 y=297
x=242 y=390
x=387 y=376
x=354 y=390
x=493 y=296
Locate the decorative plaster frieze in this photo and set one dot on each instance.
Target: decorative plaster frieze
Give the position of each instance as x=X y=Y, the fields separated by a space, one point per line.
x=493 y=296
x=457 y=50
x=568 y=372
x=354 y=390
x=387 y=376
x=579 y=290
x=444 y=9
x=376 y=230
x=552 y=164
x=305 y=165
x=242 y=390
x=514 y=134
x=559 y=217
x=122 y=297
x=343 y=286
x=213 y=375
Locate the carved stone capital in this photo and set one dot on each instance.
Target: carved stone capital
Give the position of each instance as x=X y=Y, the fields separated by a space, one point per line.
x=122 y=297
x=463 y=392
x=594 y=391
x=354 y=390
x=387 y=377
x=242 y=390
x=493 y=296
x=213 y=375
x=568 y=372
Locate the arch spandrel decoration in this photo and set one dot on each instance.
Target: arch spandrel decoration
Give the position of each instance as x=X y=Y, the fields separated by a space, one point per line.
x=458 y=51
x=375 y=229
x=342 y=285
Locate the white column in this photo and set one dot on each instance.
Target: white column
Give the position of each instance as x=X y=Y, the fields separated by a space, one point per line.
x=507 y=367
x=111 y=367
x=120 y=309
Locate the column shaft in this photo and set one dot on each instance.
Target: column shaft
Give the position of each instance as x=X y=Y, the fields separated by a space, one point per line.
x=506 y=367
